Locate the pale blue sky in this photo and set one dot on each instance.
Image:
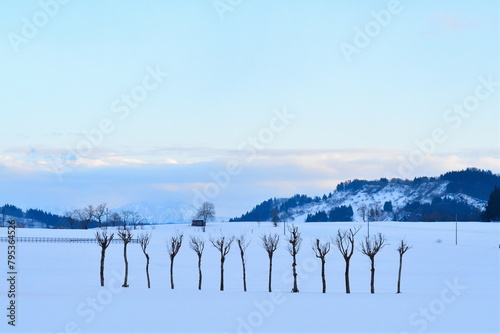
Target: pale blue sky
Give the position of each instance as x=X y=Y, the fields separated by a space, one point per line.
x=227 y=76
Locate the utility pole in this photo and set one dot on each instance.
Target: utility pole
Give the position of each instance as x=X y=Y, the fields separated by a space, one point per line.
x=368 y=220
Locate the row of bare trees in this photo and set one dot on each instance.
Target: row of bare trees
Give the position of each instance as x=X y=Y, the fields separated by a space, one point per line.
x=344 y=241
x=104 y=238
x=101 y=217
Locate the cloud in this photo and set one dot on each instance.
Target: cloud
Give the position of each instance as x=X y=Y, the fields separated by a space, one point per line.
x=119 y=180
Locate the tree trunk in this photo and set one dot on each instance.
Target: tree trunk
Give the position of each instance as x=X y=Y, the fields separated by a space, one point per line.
x=294 y=270
x=347 y=285
x=103 y=255
x=323 y=274
x=372 y=281
x=270 y=272
x=244 y=275
x=222 y=274
x=399 y=274
x=147 y=271
x=171 y=272
x=199 y=271
x=125 y=283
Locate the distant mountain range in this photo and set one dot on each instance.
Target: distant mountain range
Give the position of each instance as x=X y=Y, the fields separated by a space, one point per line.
x=458 y=195
x=461 y=195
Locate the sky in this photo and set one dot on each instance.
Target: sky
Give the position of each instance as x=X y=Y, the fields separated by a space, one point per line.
x=235 y=102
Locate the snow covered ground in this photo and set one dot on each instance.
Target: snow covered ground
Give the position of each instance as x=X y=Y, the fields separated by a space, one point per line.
x=445 y=288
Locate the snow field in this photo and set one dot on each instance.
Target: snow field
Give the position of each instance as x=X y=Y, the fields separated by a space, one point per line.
x=445 y=288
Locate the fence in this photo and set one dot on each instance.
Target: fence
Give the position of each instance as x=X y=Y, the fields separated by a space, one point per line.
x=64 y=240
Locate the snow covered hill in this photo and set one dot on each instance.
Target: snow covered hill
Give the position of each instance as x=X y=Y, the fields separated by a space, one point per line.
x=374 y=196
x=461 y=195
x=162 y=213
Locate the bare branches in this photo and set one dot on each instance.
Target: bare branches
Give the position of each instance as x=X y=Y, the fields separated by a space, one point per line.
x=270 y=244
x=223 y=245
x=206 y=212
x=403 y=247
x=293 y=247
x=345 y=244
x=100 y=212
x=345 y=241
x=125 y=235
x=72 y=218
x=198 y=245
x=243 y=245
x=85 y=215
x=144 y=239
x=371 y=248
x=173 y=246
x=103 y=240
x=294 y=240
x=321 y=249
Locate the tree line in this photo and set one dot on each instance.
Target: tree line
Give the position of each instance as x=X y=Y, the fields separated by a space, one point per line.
x=343 y=241
x=92 y=216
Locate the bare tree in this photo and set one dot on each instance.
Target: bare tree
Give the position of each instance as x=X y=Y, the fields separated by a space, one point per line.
x=173 y=246
x=275 y=217
x=136 y=220
x=206 y=212
x=198 y=245
x=223 y=245
x=85 y=215
x=403 y=247
x=144 y=239
x=243 y=245
x=116 y=219
x=345 y=244
x=126 y=237
x=99 y=213
x=321 y=250
x=293 y=247
x=126 y=215
x=72 y=218
x=270 y=243
x=375 y=213
x=371 y=248
x=103 y=240
x=364 y=212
